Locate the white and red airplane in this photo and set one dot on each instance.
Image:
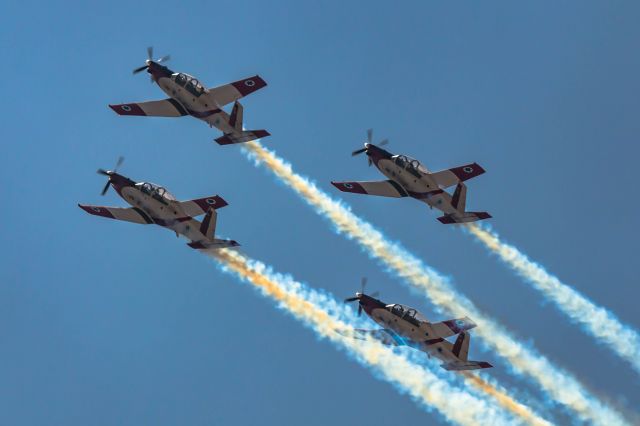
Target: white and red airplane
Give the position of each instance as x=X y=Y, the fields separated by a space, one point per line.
x=409 y=178
x=153 y=204
x=405 y=326
x=187 y=96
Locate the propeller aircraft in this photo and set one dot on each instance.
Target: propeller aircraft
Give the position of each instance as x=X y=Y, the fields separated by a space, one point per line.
x=187 y=96
x=153 y=204
x=409 y=178
x=405 y=326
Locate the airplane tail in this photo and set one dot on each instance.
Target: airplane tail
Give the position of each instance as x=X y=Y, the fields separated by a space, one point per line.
x=239 y=135
x=461 y=351
x=459 y=202
x=208 y=229
x=215 y=244
x=464 y=218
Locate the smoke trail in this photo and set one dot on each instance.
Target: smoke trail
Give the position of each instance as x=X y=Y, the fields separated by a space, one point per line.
x=324 y=315
x=561 y=386
x=597 y=321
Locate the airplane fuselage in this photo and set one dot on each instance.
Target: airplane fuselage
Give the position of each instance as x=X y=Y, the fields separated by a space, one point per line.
x=417 y=185
x=190 y=96
x=157 y=206
x=411 y=178
x=412 y=331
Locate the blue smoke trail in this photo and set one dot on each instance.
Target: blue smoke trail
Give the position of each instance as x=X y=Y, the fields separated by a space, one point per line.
x=525 y=361
x=595 y=320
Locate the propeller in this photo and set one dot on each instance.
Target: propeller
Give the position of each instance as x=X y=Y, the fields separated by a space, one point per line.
x=150 y=59
x=108 y=173
x=369 y=141
x=363 y=284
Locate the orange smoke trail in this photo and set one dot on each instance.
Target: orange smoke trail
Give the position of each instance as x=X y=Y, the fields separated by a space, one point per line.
x=559 y=384
x=418 y=382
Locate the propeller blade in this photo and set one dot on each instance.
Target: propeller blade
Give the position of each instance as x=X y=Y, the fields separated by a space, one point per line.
x=370 y=135
x=165 y=58
x=358 y=152
x=119 y=162
x=369 y=161
x=351 y=299
x=363 y=284
x=359 y=310
x=102 y=172
x=383 y=142
x=106 y=188
x=375 y=294
x=142 y=68
x=150 y=52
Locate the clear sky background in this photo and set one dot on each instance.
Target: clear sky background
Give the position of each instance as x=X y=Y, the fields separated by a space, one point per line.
x=108 y=323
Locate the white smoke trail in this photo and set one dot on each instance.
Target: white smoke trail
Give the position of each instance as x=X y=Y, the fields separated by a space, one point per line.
x=324 y=315
x=561 y=386
x=597 y=321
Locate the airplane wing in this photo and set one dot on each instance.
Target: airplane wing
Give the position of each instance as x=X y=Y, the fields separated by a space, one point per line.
x=227 y=93
x=385 y=336
x=200 y=206
x=131 y=214
x=383 y=188
x=452 y=327
x=450 y=177
x=164 y=108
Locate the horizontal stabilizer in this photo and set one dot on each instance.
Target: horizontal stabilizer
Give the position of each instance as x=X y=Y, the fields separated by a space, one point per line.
x=468 y=365
x=241 y=137
x=464 y=217
x=215 y=244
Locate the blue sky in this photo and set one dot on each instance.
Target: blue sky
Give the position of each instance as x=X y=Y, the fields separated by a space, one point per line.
x=113 y=323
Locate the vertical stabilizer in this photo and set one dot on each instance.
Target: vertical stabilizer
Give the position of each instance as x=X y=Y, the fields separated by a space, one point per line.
x=208 y=225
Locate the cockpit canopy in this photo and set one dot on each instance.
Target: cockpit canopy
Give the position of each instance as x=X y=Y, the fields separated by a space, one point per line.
x=192 y=85
x=157 y=192
x=406 y=312
x=410 y=164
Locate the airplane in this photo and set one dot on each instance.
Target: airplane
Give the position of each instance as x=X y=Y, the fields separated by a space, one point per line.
x=409 y=178
x=153 y=204
x=405 y=326
x=187 y=96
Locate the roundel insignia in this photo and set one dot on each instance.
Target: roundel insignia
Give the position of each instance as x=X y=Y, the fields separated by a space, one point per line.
x=459 y=323
x=467 y=169
x=348 y=186
x=126 y=108
x=249 y=83
x=96 y=209
x=210 y=201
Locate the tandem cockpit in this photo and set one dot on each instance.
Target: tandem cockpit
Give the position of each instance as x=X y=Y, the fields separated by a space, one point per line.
x=407 y=313
x=192 y=85
x=155 y=191
x=411 y=165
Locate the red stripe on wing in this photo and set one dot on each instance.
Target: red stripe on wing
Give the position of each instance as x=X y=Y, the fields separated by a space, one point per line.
x=249 y=85
x=98 y=211
x=127 y=109
x=467 y=172
x=349 y=187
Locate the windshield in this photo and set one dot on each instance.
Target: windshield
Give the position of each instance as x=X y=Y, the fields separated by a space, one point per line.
x=410 y=164
x=406 y=312
x=192 y=85
x=157 y=192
